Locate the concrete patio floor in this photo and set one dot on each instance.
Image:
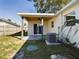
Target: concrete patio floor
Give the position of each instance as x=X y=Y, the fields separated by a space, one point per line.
x=32 y=37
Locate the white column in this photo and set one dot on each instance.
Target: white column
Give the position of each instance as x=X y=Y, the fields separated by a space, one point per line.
x=42 y=22
x=22 y=27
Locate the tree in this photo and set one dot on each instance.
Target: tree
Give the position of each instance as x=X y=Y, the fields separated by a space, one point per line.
x=9 y=20
x=49 y=6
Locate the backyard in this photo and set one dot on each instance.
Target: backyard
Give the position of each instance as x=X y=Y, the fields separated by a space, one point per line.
x=9 y=46
x=14 y=48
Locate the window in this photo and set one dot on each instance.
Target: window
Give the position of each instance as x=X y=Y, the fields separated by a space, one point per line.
x=70 y=20
x=52 y=24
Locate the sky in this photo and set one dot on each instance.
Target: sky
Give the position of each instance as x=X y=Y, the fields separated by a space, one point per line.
x=10 y=8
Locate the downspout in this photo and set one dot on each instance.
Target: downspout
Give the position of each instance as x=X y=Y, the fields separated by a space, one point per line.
x=62 y=21
x=60 y=28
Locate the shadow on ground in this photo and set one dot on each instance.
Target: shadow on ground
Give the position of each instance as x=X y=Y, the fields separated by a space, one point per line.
x=18 y=35
x=45 y=51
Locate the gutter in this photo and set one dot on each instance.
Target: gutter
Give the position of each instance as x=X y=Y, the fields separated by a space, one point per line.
x=73 y=2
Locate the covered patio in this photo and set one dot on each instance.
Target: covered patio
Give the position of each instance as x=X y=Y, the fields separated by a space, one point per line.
x=37 y=24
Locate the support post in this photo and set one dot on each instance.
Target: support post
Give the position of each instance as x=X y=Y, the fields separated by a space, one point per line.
x=22 y=27
x=42 y=27
x=42 y=22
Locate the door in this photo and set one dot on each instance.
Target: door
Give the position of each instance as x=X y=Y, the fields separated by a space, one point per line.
x=40 y=29
x=35 y=28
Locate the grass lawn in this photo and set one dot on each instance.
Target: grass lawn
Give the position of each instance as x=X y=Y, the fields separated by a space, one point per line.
x=9 y=46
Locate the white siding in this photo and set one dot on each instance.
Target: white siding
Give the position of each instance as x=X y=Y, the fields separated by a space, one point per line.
x=77 y=13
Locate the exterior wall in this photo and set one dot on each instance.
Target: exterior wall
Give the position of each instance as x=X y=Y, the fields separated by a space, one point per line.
x=50 y=28
x=8 y=29
x=38 y=22
x=57 y=24
x=46 y=27
x=74 y=33
x=77 y=14
x=59 y=19
x=30 y=26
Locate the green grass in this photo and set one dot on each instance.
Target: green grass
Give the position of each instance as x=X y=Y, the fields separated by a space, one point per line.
x=45 y=51
x=9 y=46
